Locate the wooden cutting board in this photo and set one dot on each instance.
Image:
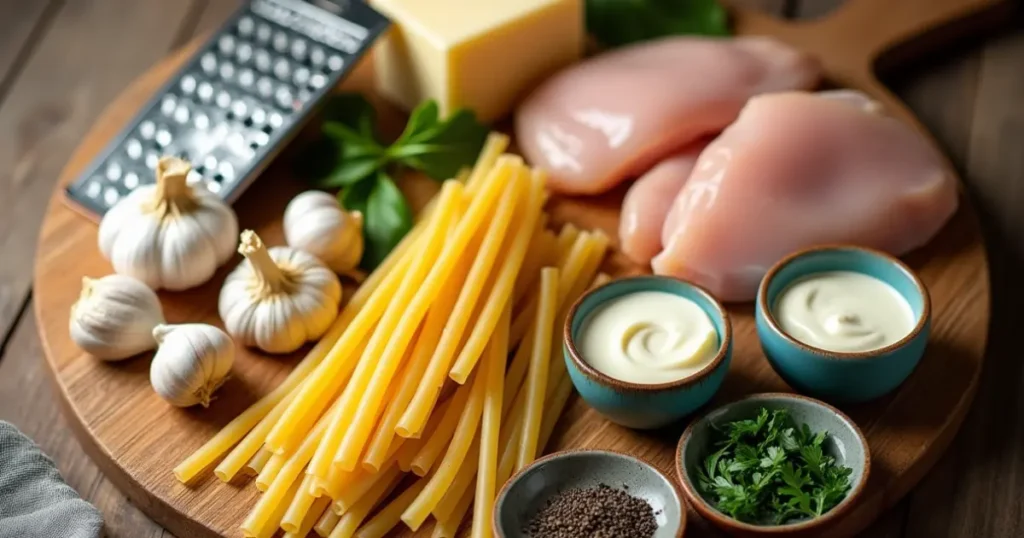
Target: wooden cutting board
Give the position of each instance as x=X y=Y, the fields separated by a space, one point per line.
x=136 y=438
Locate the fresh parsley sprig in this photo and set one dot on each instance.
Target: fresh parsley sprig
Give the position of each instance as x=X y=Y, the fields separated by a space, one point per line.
x=351 y=156
x=769 y=471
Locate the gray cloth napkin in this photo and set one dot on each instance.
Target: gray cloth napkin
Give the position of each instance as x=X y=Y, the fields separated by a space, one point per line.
x=35 y=502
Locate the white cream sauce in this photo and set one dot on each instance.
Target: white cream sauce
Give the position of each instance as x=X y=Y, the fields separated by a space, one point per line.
x=843 y=311
x=648 y=337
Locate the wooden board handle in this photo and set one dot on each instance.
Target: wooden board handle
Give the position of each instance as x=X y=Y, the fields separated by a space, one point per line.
x=850 y=39
x=874 y=26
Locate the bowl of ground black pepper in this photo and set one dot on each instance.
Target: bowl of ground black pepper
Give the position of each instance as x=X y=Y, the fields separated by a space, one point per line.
x=589 y=493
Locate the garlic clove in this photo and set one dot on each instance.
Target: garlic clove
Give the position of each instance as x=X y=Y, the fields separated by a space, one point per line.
x=279 y=298
x=169 y=235
x=320 y=287
x=193 y=360
x=186 y=256
x=307 y=307
x=236 y=313
x=143 y=264
x=115 y=218
x=219 y=225
x=114 y=317
x=348 y=259
x=304 y=203
x=276 y=328
x=315 y=222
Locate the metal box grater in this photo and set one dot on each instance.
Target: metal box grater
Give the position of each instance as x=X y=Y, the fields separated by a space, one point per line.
x=235 y=104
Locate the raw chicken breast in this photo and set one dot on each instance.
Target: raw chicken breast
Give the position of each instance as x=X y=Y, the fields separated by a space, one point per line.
x=799 y=169
x=647 y=203
x=612 y=117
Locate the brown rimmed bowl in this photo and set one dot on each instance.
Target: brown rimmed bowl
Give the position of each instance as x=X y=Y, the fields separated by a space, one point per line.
x=834 y=376
x=646 y=406
x=844 y=442
x=530 y=489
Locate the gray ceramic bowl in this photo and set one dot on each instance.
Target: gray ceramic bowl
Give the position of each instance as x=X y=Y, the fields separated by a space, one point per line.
x=845 y=443
x=529 y=490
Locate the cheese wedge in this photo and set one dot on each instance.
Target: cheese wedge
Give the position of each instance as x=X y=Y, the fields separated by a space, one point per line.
x=479 y=54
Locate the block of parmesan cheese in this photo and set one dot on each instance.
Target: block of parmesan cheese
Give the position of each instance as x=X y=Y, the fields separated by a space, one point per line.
x=479 y=54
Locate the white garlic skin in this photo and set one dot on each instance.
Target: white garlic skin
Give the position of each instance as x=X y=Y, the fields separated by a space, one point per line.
x=192 y=362
x=278 y=313
x=315 y=222
x=114 y=317
x=176 y=249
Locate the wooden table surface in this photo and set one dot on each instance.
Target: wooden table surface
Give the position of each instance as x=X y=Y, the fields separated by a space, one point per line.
x=62 y=62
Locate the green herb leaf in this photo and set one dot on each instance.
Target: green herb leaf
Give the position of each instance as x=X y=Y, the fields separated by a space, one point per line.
x=347 y=134
x=813 y=458
x=350 y=156
x=354 y=197
x=805 y=434
x=793 y=477
x=350 y=172
x=387 y=219
x=619 y=22
x=774 y=457
x=422 y=120
x=768 y=470
x=746 y=458
x=439 y=149
x=787 y=439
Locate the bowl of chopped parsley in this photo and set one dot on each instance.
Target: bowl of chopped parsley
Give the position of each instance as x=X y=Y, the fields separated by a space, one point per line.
x=773 y=465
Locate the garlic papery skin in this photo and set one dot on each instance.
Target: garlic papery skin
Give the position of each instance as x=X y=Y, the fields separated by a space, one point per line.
x=169 y=235
x=315 y=222
x=114 y=317
x=192 y=362
x=278 y=299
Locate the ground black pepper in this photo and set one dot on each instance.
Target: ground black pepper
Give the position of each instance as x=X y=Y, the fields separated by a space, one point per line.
x=599 y=512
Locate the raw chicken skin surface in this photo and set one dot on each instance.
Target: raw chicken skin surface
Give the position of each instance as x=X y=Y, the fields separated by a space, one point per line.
x=797 y=170
x=647 y=203
x=614 y=116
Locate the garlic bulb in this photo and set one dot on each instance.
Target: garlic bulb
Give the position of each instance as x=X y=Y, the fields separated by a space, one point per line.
x=192 y=362
x=315 y=222
x=278 y=299
x=114 y=317
x=169 y=235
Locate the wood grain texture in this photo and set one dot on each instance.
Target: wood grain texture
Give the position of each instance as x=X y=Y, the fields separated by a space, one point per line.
x=853 y=38
x=36 y=80
x=28 y=400
x=135 y=435
x=21 y=26
x=942 y=91
x=51 y=105
x=214 y=13
x=985 y=463
x=20 y=21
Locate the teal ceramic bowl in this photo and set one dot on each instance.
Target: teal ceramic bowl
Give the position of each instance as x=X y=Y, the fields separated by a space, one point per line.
x=644 y=406
x=844 y=442
x=842 y=377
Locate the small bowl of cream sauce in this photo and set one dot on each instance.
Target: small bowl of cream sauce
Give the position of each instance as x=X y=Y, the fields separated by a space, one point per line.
x=647 y=351
x=843 y=323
